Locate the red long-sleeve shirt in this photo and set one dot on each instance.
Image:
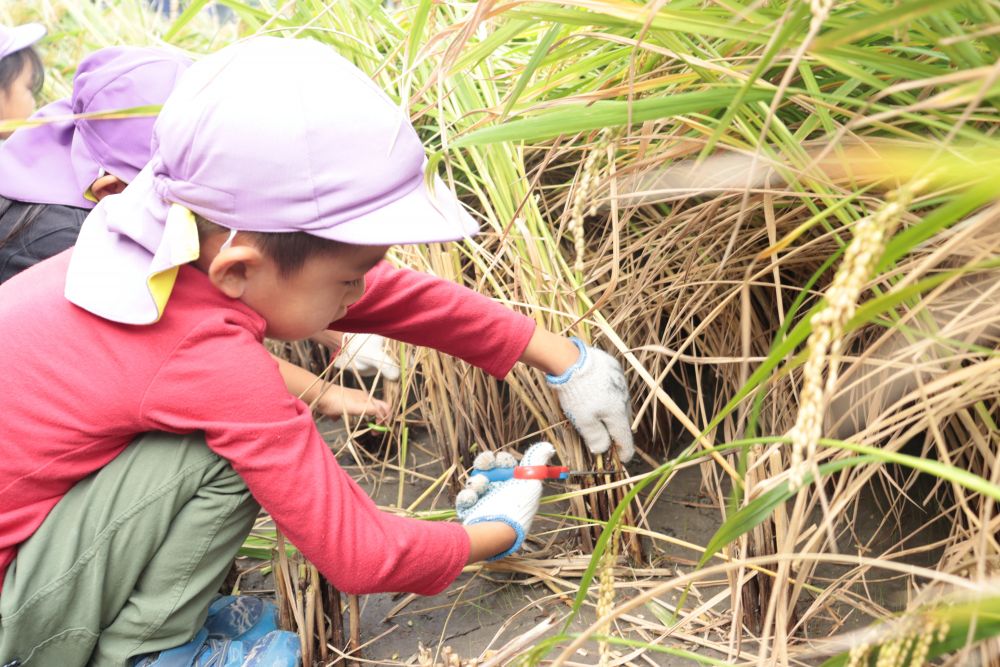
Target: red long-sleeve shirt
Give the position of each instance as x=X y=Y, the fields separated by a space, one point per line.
x=428 y=311
x=77 y=389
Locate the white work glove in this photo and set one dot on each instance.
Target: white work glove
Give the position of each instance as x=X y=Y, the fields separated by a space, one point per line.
x=365 y=353
x=594 y=395
x=513 y=501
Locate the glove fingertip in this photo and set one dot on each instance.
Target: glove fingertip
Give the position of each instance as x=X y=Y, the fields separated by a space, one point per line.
x=538 y=454
x=598 y=441
x=484 y=460
x=505 y=460
x=621 y=435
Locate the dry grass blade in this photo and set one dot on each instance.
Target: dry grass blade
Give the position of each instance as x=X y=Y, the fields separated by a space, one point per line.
x=737 y=178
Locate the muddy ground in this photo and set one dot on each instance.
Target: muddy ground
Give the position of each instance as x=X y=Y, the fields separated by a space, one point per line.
x=487 y=608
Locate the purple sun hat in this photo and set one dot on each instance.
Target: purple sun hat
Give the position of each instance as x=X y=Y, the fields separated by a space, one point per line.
x=267 y=135
x=57 y=162
x=19 y=37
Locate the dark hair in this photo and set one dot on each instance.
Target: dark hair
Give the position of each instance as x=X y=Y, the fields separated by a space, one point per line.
x=289 y=250
x=26 y=217
x=12 y=65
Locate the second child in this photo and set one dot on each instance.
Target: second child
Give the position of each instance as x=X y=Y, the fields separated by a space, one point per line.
x=21 y=72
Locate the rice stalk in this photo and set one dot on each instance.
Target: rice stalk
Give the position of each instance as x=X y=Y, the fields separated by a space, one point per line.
x=825 y=341
x=606 y=598
x=707 y=289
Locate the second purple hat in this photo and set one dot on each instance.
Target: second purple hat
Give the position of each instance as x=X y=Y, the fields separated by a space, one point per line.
x=57 y=162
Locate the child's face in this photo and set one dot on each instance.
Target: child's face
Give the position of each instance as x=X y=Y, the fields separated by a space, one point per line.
x=17 y=101
x=306 y=302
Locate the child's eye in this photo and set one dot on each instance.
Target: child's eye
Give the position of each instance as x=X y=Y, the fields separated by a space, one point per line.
x=353 y=283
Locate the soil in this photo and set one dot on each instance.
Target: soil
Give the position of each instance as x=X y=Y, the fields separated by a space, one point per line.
x=485 y=609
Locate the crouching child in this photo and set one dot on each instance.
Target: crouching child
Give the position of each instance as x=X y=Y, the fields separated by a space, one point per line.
x=145 y=424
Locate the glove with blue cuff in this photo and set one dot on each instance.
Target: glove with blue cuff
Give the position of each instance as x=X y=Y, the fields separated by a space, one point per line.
x=513 y=501
x=594 y=395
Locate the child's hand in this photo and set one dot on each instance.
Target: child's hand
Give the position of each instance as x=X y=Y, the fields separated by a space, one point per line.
x=337 y=401
x=594 y=395
x=329 y=399
x=513 y=502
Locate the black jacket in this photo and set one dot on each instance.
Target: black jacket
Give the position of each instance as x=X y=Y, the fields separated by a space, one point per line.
x=30 y=233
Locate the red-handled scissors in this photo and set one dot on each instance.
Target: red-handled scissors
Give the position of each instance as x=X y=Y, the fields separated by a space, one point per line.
x=535 y=472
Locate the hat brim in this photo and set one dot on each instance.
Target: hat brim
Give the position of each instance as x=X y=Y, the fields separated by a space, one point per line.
x=23 y=36
x=416 y=217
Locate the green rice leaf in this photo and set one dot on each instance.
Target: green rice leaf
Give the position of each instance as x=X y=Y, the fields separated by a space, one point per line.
x=754 y=512
x=573 y=118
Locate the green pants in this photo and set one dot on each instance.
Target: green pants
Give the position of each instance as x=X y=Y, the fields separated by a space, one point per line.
x=129 y=560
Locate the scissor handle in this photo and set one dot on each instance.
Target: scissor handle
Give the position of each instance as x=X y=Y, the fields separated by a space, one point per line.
x=541 y=472
x=524 y=472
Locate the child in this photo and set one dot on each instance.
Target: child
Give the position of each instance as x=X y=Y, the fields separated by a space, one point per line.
x=51 y=175
x=122 y=538
x=21 y=72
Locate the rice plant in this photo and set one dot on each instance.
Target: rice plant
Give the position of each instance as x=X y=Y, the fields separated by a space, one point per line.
x=783 y=217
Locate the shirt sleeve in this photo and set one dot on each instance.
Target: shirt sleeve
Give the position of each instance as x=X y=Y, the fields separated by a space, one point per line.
x=425 y=310
x=222 y=381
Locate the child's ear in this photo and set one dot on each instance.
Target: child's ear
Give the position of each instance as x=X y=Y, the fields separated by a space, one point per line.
x=231 y=267
x=107 y=185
